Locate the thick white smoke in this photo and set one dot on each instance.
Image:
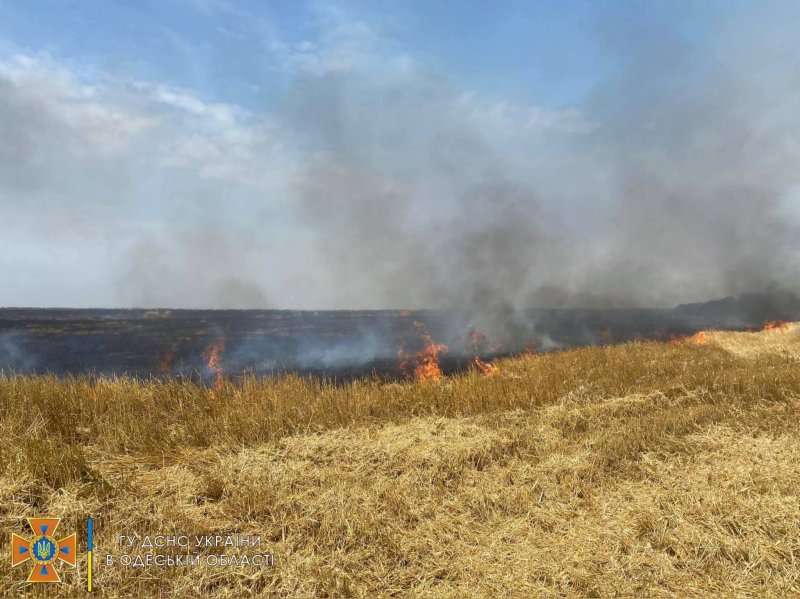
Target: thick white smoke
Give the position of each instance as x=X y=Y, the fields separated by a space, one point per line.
x=388 y=185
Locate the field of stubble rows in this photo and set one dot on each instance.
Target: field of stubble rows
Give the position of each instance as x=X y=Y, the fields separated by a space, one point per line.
x=641 y=469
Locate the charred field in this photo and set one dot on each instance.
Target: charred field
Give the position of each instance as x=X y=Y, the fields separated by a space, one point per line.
x=199 y=344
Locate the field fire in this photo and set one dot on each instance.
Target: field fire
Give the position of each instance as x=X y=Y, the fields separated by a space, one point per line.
x=211 y=345
x=657 y=446
x=339 y=298
x=775 y=325
x=423 y=364
x=213 y=356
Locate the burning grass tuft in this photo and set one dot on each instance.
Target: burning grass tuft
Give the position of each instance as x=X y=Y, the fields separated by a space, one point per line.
x=644 y=469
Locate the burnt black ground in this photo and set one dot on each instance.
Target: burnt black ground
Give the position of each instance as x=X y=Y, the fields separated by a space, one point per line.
x=339 y=344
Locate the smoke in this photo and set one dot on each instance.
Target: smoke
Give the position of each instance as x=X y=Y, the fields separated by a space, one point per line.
x=674 y=185
x=13 y=357
x=178 y=269
x=377 y=182
x=702 y=148
x=411 y=205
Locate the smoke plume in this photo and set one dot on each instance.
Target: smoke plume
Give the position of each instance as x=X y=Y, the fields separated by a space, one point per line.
x=379 y=182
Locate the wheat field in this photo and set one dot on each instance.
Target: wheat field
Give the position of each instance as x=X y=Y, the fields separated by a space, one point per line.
x=643 y=469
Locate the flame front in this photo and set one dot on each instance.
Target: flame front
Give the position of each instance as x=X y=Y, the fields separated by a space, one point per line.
x=775 y=325
x=213 y=356
x=485 y=368
x=699 y=338
x=480 y=341
x=424 y=364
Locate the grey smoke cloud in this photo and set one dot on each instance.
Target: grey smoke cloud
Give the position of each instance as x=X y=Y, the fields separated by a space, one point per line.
x=420 y=201
x=388 y=185
x=14 y=358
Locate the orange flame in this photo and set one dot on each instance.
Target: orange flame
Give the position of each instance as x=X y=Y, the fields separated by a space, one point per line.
x=699 y=338
x=481 y=341
x=424 y=364
x=166 y=360
x=485 y=368
x=775 y=325
x=213 y=356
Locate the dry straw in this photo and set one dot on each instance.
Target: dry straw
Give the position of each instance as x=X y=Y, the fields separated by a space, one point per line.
x=645 y=469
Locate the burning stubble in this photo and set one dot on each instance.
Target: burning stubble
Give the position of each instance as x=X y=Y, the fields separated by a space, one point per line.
x=423 y=365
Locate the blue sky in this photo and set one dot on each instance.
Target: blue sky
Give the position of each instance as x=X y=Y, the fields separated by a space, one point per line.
x=236 y=153
x=235 y=51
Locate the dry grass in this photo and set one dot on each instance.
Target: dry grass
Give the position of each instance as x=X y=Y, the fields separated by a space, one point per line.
x=780 y=340
x=644 y=469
